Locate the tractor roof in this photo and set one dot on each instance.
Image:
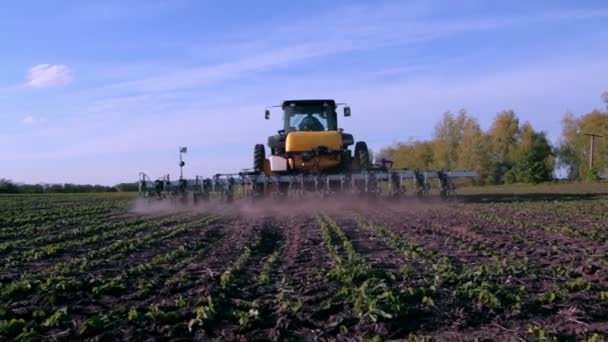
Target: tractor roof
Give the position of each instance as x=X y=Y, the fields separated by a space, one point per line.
x=288 y=102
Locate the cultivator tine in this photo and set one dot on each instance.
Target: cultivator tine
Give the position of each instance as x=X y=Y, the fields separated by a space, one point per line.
x=396 y=184
x=421 y=184
x=206 y=188
x=447 y=186
x=295 y=188
x=229 y=190
x=374 y=186
x=276 y=193
x=291 y=191
x=301 y=185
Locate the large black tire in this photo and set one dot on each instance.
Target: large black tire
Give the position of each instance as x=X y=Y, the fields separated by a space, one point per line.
x=346 y=161
x=259 y=157
x=362 y=160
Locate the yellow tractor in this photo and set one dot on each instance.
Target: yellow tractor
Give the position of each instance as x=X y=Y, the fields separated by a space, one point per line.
x=311 y=142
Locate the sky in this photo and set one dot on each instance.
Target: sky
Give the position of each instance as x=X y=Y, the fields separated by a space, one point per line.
x=98 y=91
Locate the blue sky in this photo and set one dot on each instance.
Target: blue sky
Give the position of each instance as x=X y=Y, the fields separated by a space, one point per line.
x=94 y=92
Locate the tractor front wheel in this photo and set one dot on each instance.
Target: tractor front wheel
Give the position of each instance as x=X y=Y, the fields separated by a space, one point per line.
x=259 y=157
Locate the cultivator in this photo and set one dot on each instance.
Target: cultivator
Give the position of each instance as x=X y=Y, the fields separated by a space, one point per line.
x=371 y=183
x=310 y=155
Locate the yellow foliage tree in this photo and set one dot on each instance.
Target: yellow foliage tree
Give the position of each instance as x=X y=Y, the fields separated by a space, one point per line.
x=574 y=145
x=448 y=135
x=473 y=151
x=412 y=155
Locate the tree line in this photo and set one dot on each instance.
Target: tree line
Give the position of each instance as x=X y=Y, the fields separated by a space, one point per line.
x=9 y=187
x=509 y=151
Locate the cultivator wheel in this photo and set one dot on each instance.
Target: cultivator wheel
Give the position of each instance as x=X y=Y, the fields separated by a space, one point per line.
x=448 y=189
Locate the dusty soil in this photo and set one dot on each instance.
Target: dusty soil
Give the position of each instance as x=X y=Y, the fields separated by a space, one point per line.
x=110 y=268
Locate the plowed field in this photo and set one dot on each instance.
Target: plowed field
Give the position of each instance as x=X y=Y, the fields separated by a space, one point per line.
x=99 y=267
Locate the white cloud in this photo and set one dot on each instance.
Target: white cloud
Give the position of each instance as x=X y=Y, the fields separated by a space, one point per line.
x=33 y=120
x=48 y=75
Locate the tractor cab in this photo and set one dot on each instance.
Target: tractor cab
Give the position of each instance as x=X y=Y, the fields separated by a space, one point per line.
x=306 y=116
x=309 y=116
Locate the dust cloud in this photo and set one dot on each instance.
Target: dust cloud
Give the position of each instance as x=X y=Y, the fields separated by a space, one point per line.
x=281 y=207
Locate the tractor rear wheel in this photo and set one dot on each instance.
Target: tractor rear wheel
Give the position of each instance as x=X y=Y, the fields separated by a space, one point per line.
x=362 y=160
x=259 y=157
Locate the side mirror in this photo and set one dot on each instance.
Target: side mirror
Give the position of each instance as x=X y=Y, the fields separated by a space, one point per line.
x=267 y=114
x=347 y=111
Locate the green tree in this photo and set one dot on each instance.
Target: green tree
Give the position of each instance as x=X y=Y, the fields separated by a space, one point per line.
x=7 y=186
x=533 y=160
x=503 y=138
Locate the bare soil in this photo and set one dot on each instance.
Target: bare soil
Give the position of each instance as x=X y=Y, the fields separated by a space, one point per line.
x=461 y=270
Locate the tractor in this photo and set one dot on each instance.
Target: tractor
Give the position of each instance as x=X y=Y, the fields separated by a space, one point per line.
x=310 y=142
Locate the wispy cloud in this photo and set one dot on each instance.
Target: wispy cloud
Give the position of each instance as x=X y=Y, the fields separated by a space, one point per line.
x=33 y=120
x=48 y=75
x=401 y=70
x=113 y=10
x=358 y=28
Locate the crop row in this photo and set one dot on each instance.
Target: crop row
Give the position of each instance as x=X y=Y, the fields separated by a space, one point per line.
x=13 y=222
x=50 y=228
x=219 y=305
x=116 y=250
x=546 y=288
x=60 y=283
x=361 y=287
x=121 y=231
x=76 y=238
x=488 y=285
x=521 y=219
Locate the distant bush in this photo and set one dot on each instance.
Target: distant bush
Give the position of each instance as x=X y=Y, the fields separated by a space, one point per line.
x=127 y=187
x=9 y=187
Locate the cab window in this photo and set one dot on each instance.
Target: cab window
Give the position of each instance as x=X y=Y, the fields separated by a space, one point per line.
x=309 y=118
